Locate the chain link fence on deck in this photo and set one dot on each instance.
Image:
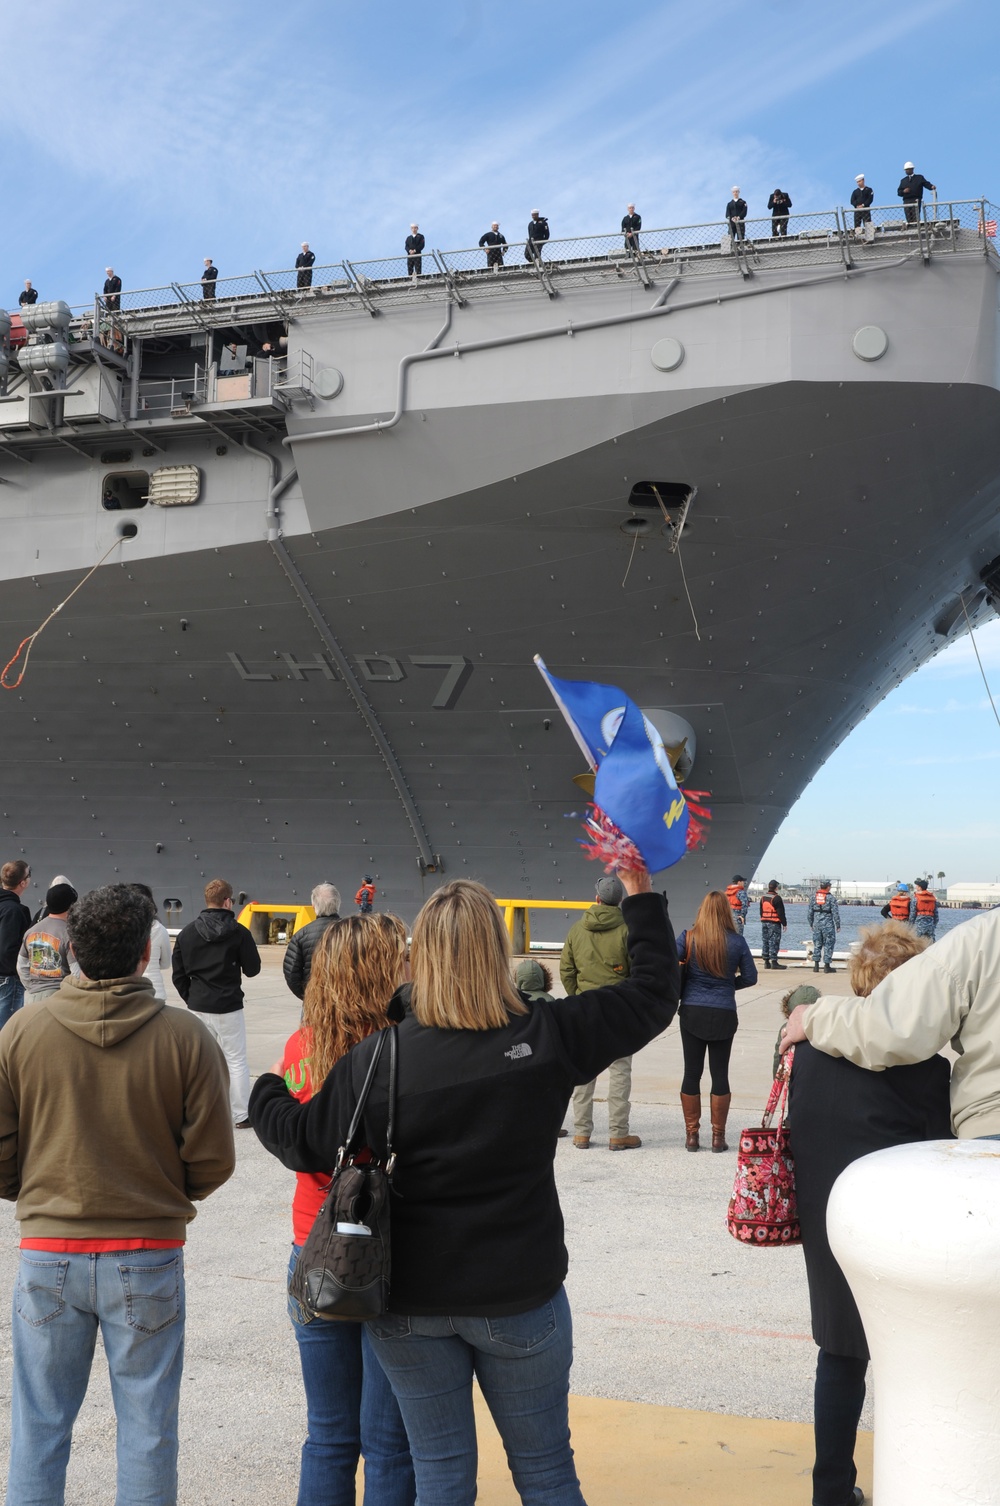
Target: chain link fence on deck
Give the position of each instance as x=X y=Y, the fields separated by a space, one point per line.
x=711 y=248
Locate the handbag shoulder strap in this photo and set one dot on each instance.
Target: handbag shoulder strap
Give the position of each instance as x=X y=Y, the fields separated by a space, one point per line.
x=778 y=1096
x=390 y=1154
x=359 y=1108
x=349 y=1146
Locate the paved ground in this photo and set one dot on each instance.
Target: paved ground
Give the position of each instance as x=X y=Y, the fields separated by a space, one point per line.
x=693 y=1366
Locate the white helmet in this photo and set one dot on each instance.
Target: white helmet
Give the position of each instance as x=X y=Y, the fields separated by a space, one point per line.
x=907 y=167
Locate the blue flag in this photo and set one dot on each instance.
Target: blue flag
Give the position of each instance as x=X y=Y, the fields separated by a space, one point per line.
x=635 y=784
x=636 y=789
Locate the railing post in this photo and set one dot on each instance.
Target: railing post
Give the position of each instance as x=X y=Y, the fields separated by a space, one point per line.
x=982 y=227
x=845 y=245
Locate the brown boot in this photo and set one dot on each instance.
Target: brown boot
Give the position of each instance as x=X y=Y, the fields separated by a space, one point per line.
x=582 y=1142
x=625 y=1142
x=691 y=1104
x=720 y=1113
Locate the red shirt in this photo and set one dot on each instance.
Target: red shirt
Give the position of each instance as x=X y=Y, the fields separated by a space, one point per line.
x=98 y=1246
x=310 y=1186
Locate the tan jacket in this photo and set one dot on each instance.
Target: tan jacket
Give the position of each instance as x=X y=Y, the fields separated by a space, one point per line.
x=951 y=992
x=114 y=1114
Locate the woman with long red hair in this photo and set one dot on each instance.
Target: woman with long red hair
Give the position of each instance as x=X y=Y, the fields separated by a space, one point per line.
x=716 y=961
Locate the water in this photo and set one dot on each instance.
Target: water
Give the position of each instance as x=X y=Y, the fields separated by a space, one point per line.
x=853 y=918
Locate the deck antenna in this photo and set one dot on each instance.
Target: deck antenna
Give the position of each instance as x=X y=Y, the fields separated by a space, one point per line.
x=677 y=529
x=979 y=660
x=26 y=644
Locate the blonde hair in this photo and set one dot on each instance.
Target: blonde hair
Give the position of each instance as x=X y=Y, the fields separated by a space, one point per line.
x=708 y=938
x=460 y=960
x=880 y=950
x=356 y=968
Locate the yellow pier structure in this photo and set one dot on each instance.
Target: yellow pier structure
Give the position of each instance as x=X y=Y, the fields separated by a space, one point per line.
x=297 y=915
x=515 y=914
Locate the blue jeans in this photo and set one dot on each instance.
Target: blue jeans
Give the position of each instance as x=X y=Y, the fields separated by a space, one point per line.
x=11 y=997
x=136 y=1298
x=350 y=1413
x=522 y=1364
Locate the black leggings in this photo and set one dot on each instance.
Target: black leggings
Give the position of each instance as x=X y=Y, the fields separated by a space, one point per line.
x=694 y=1063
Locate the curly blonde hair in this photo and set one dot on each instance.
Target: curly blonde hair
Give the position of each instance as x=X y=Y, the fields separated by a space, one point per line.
x=880 y=950
x=356 y=968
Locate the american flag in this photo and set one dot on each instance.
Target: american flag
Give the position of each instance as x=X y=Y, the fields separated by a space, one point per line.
x=988 y=228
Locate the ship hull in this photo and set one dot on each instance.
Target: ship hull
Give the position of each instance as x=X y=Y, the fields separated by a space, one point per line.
x=185 y=716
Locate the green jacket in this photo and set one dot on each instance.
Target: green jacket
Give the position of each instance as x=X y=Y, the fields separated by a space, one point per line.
x=595 y=953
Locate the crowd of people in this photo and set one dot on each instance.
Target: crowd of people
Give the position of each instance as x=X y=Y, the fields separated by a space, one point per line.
x=494 y=243
x=479 y=1258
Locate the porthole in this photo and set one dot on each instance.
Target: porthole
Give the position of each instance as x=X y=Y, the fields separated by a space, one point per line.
x=635 y=526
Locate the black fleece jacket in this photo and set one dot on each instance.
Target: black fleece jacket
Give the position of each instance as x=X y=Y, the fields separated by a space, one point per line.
x=209 y=957
x=15 y=919
x=476 y=1223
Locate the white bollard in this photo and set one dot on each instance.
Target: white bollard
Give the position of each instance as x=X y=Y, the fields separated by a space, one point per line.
x=916 y=1230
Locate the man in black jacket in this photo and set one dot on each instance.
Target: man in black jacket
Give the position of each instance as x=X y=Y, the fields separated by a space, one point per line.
x=209 y=278
x=736 y=215
x=779 y=204
x=861 y=202
x=414 y=246
x=538 y=234
x=299 y=951
x=15 y=919
x=303 y=267
x=911 y=191
x=29 y=295
x=210 y=955
x=496 y=243
x=631 y=225
x=112 y=291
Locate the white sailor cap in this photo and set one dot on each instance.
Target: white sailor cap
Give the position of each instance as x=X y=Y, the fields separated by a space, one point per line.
x=859 y=177
x=735 y=189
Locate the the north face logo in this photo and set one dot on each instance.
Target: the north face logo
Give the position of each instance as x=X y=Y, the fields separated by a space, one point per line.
x=518 y=1052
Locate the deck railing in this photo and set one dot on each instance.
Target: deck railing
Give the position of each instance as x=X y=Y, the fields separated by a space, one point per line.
x=710 y=248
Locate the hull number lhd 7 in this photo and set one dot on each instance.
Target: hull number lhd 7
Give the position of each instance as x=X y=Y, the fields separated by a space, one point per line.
x=374 y=668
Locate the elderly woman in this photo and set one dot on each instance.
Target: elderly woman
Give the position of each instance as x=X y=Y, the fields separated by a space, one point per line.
x=837 y=1113
x=478 y=1257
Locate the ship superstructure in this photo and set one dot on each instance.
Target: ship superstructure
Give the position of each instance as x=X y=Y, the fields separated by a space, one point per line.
x=753 y=483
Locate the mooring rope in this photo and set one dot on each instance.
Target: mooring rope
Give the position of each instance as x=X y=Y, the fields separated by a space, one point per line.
x=979 y=661
x=26 y=644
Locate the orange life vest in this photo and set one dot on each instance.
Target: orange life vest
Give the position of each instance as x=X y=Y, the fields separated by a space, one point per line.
x=822 y=895
x=926 y=903
x=899 y=906
x=767 y=910
x=733 y=893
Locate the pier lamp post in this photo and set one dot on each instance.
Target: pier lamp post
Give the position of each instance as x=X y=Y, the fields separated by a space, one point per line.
x=915 y=1231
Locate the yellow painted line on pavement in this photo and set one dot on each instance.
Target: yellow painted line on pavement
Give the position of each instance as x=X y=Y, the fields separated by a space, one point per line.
x=634 y=1454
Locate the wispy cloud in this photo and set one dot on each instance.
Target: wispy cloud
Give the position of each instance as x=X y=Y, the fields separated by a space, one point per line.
x=242 y=131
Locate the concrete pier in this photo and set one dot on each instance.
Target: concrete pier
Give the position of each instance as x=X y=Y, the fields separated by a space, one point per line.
x=693 y=1373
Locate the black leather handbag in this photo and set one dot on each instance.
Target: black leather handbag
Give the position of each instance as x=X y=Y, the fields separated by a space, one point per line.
x=344 y=1267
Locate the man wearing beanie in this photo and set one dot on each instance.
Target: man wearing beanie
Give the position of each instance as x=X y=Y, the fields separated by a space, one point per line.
x=44 y=959
x=594 y=954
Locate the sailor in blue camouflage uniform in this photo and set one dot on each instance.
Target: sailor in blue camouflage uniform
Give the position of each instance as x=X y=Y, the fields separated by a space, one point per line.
x=823 y=915
x=925 y=910
x=739 y=901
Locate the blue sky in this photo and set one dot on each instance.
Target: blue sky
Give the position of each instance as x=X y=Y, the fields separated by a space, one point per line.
x=151 y=136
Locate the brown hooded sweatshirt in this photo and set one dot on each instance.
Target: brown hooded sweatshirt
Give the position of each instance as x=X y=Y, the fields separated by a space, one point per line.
x=114 y=1114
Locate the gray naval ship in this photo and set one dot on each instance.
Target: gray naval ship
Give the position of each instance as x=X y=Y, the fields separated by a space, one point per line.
x=751 y=482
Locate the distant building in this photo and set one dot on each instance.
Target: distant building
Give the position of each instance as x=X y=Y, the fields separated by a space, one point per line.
x=974 y=894
x=863 y=889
